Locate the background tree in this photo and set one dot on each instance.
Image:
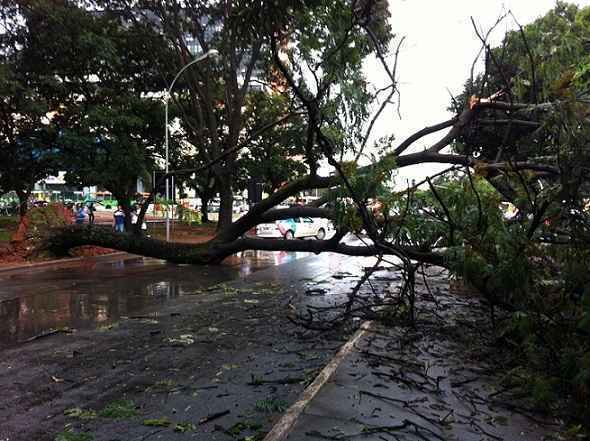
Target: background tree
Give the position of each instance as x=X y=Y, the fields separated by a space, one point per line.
x=28 y=129
x=534 y=64
x=100 y=77
x=203 y=183
x=276 y=157
x=211 y=94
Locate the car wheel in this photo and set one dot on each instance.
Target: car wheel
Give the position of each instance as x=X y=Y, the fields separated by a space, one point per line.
x=289 y=235
x=321 y=234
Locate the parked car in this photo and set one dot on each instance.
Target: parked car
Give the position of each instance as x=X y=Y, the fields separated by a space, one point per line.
x=297 y=228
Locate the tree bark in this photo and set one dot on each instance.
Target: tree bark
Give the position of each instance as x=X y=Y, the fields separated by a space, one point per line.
x=228 y=239
x=226 y=204
x=212 y=252
x=205 y=193
x=204 y=210
x=123 y=200
x=23 y=198
x=72 y=236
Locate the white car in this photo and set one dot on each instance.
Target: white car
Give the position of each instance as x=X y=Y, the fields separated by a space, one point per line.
x=297 y=228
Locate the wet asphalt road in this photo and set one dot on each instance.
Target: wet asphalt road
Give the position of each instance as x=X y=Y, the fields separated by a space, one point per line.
x=244 y=353
x=100 y=291
x=229 y=348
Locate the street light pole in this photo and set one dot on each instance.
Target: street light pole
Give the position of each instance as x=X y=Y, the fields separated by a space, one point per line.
x=210 y=53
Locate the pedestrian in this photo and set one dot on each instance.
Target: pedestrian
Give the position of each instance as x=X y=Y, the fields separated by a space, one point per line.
x=119 y=220
x=135 y=218
x=80 y=214
x=91 y=211
x=134 y=215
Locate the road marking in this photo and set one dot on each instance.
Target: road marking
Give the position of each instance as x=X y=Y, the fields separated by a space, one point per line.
x=281 y=429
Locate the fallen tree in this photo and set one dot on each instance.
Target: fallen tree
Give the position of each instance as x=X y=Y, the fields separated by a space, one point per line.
x=230 y=239
x=518 y=139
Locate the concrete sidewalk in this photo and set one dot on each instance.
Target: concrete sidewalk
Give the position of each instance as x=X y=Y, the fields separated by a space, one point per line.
x=61 y=263
x=432 y=383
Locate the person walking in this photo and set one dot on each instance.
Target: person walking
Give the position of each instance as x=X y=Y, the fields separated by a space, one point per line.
x=119 y=220
x=135 y=218
x=91 y=211
x=80 y=214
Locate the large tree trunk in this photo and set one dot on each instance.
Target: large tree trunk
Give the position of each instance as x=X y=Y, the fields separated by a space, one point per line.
x=212 y=252
x=74 y=236
x=205 y=195
x=204 y=210
x=23 y=224
x=123 y=200
x=23 y=198
x=226 y=204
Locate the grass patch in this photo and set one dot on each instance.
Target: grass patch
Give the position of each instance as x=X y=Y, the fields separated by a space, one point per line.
x=8 y=221
x=119 y=409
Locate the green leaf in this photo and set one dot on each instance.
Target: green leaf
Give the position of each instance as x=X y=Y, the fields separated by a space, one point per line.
x=157 y=422
x=119 y=409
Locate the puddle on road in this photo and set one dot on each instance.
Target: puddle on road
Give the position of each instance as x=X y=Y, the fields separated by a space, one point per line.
x=100 y=292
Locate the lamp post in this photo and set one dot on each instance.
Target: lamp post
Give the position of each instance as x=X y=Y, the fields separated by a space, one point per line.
x=210 y=53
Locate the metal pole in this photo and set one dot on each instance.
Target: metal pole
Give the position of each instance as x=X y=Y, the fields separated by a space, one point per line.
x=167 y=165
x=173 y=199
x=212 y=52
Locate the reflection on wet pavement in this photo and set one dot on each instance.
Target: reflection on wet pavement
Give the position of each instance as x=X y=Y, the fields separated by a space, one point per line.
x=100 y=291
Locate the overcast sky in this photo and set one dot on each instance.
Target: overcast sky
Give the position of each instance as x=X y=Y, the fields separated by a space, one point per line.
x=437 y=55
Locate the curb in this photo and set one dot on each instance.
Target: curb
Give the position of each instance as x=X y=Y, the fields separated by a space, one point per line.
x=55 y=262
x=283 y=427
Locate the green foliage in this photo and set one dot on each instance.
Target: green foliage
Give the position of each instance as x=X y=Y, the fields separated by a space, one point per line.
x=80 y=80
x=112 y=144
x=330 y=46
x=119 y=409
x=42 y=220
x=545 y=285
x=275 y=157
x=242 y=426
x=27 y=133
x=76 y=412
x=188 y=215
x=158 y=422
x=545 y=63
x=373 y=186
x=544 y=394
x=271 y=405
x=557 y=44
x=184 y=427
x=420 y=220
